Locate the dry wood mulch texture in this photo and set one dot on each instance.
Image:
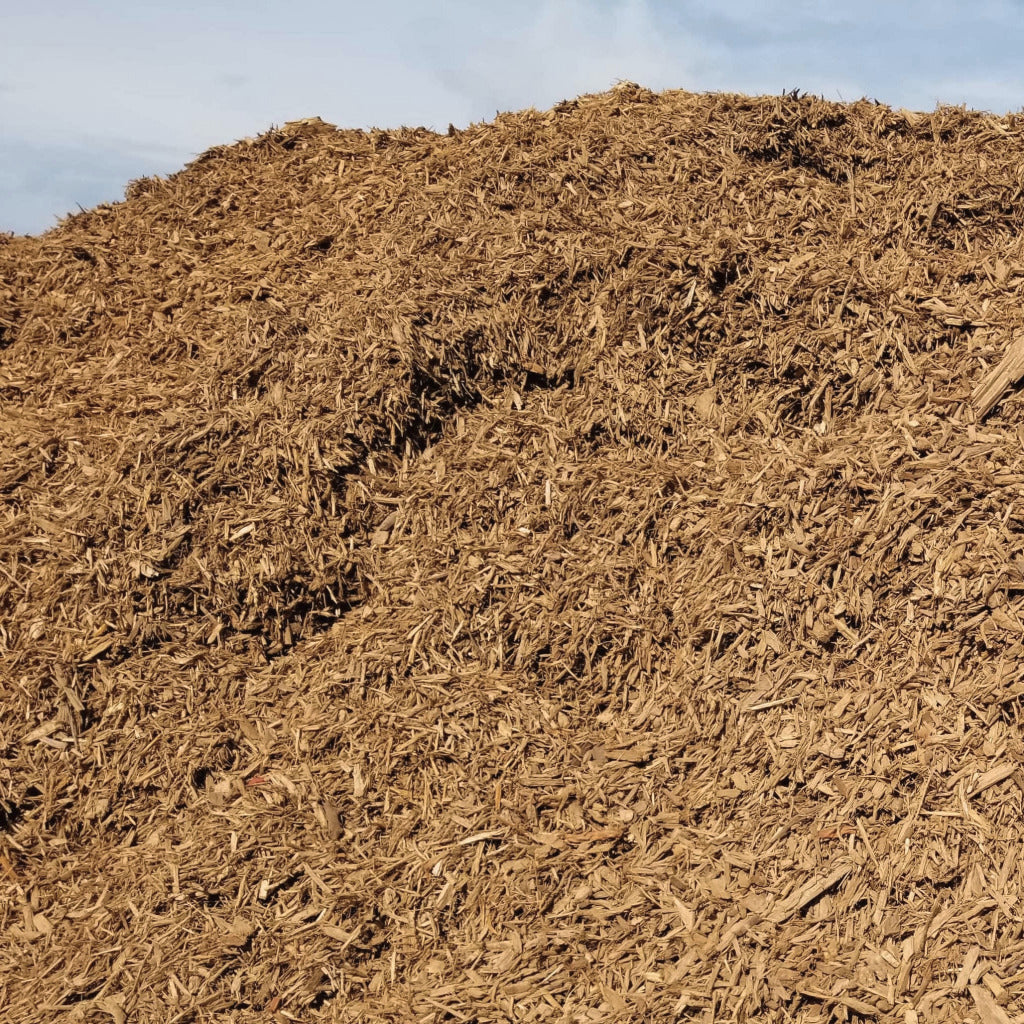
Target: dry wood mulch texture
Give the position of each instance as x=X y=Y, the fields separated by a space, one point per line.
x=553 y=571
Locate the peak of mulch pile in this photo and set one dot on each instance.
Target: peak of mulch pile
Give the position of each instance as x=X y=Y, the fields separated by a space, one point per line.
x=548 y=572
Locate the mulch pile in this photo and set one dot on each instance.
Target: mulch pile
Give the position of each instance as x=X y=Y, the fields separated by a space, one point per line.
x=552 y=571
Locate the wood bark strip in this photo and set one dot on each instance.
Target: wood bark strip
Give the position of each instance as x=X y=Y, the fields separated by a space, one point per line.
x=998 y=381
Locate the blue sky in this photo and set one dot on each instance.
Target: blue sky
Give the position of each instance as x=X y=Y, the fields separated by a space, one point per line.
x=94 y=94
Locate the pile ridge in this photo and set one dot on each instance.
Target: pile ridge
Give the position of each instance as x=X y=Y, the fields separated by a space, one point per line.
x=551 y=571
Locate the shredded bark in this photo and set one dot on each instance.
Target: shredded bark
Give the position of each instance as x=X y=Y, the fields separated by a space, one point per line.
x=554 y=571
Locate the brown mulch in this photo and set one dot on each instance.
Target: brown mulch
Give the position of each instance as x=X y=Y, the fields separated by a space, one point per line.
x=552 y=571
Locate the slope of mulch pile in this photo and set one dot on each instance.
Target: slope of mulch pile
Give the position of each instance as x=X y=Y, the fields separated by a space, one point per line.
x=547 y=572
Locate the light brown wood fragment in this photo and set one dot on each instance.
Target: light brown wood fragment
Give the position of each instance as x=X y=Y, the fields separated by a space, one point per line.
x=991 y=778
x=999 y=380
x=860 y=1006
x=988 y=1009
x=966 y=969
x=807 y=893
x=996 y=987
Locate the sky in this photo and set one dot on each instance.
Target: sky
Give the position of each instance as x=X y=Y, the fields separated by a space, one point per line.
x=95 y=94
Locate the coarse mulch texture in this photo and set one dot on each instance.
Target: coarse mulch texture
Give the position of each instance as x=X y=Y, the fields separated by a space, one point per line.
x=551 y=571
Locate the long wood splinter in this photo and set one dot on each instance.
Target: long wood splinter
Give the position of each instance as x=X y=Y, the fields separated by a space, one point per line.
x=1010 y=370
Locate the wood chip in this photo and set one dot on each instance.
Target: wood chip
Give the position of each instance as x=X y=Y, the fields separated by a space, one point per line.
x=998 y=381
x=989 y=1010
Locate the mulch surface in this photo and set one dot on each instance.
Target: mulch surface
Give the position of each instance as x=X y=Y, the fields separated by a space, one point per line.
x=552 y=571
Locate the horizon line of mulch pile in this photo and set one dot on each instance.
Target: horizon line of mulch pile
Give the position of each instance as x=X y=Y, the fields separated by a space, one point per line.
x=549 y=572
